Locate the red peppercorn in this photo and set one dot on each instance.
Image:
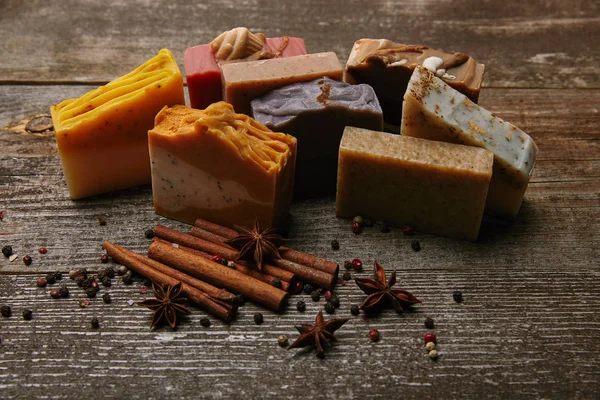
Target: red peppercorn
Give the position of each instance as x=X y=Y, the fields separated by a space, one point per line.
x=217 y=258
x=104 y=259
x=42 y=250
x=1 y=215
x=356 y=227
x=430 y=337
x=357 y=264
x=94 y=284
x=327 y=295
x=374 y=334
x=55 y=294
x=41 y=281
x=298 y=286
x=408 y=230
x=27 y=260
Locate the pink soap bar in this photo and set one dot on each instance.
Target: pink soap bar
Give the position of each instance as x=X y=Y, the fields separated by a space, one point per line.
x=204 y=74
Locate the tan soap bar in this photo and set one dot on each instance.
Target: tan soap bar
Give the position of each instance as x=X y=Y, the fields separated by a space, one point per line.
x=435 y=187
x=433 y=110
x=244 y=81
x=220 y=166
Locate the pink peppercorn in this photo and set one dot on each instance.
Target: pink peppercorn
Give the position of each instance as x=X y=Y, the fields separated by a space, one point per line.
x=357 y=264
x=104 y=259
x=408 y=230
x=298 y=286
x=374 y=334
x=41 y=281
x=429 y=337
x=356 y=227
x=42 y=250
x=327 y=295
x=217 y=258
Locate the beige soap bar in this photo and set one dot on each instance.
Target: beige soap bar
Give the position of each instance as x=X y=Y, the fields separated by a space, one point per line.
x=245 y=81
x=435 y=187
x=435 y=111
x=220 y=166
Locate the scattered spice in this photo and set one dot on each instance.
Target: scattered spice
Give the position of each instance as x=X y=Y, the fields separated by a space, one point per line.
x=301 y=306
x=143 y=290
x=27 y=315
x=430 y=346
x=1 y=215
x=256 y=244
x=149 y=233
x=276 y=282
x=7 y=251
x=315 y=295
x=5 y=311
x=430 y=337
x=327 y=295
x=258 y=318
x=457 y=296
x=241 y=299
x=167 y=304
x=298 y=287
x=106 y=298
x=335 y=245
x=122 y=270
x=42 y=250
x=104 y=259
x=127 y=278
x=335 y=301
x=415 y=245
x=51 y=279
x=41 y=282
x=348 y=264
x=101 y=221
x=428 y=323
x=347 y=276
x=374 y=334
x=408 y=230
x=94 y=285
x=282 y=340
x=356 y=228
x=90 y=292
x=217 y=258
x=109 y=272
x=354 y=310
x=84 y=303
x=329 y=308
x=63 y=291
x=358 y=220
x=433 y=354
x=58 y=275
x=55 y=294
x=12 y=257
x=27 y=260
x=368 y=222
x=357 y=264
x=381 y=294
x=308 y=288
x=95 y=323
x=385 y=228
x=319 y=335
x=205 y=322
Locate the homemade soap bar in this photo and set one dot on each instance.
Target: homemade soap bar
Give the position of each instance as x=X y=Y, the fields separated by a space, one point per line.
x=316 y=114
x=433 y=110
x=204 y=73
x=220 y=166
x=243 y=82
x=387 y=67
x=435 y=187
x=102 y=136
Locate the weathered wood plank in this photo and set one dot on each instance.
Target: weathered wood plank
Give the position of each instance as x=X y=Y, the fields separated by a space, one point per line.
x=524 y=44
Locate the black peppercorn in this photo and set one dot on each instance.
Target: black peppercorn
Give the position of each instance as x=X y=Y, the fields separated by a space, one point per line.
x=308 y=288
x=27 y=315
x=335 y=245
x=416 y=245
x=50 y=279
x=258 y=318
x=457 y=296
x=149 y=233
x=241 y=299
x=347 y=276
x=428 y=323
x=127 y=278
x=5 y=311
x=101 y=221
x=63 y=290
x=7 y=251
x=354 y=310
x=301 y=306
x=106 y=298
x=109 y=272
x=91 y=292
x=348 y=264
x=106 y=282
x=329 y=308
x=276 y=282
x=335 y=301
x=57 y=275
x=205 y=322
x=385 y=228
x=368 y=222
x=27 y=260
x=95 y=323
x=315 y=295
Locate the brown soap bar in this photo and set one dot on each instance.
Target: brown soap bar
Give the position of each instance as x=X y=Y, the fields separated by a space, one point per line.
x=387 y=67
x=434 y=187
x=245 y=81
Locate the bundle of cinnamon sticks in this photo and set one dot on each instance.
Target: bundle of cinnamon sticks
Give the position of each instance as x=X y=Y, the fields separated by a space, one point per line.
x=176 y=256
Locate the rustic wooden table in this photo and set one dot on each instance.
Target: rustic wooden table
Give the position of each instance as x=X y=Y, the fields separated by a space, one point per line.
x=529 y=324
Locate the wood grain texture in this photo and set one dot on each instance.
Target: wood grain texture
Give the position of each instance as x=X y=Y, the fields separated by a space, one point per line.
x=541 y=43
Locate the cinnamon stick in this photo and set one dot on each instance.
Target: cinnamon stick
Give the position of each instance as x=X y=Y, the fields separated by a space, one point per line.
x=288 y=254
x=219 y=308
x=238 y=266
x=307 y=274
x=218 y=275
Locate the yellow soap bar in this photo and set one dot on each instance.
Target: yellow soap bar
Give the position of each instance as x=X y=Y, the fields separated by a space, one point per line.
x=221 y=166
x=102 y=136
x=434 y=187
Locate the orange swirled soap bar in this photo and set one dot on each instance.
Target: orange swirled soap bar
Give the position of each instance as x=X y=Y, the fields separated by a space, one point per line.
x=102 y=136
x=222 y=166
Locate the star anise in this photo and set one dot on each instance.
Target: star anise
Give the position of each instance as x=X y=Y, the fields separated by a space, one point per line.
x=256 y=244
x=167 y=304
x=319 y=335
x=381 y=294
